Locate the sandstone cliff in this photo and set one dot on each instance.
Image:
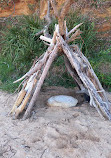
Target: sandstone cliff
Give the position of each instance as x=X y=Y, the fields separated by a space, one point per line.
x=101 y=15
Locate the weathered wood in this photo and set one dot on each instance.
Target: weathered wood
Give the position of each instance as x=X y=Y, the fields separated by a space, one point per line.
x=46 y=39
x=22 y=106
x=37 y=66
x=74 y=29
x=48 y=20
x=53 y=40
x=47 y=17
x=73 y=73
x=65 y=26
x=94 y=78
x=29 y=88
x=74 y=36
x=41 y=80
x=60 y=15
x=76 y=62
x=18 y=101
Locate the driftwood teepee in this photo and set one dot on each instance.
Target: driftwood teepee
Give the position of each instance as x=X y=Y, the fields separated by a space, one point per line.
x=76 y=63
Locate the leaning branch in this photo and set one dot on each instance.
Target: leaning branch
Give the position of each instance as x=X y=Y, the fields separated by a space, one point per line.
x=46 y=39
x=41 y=80
x=74 y=29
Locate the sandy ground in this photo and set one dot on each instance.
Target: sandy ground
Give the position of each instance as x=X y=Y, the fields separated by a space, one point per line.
x=54 y=132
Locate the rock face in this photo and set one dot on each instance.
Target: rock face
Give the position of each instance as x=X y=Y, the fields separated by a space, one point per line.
x=102 y=14
x=62 y=101
x=17 y=7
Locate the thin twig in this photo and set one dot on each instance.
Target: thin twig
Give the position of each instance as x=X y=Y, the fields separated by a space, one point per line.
x=43 y=153
x=74 y=29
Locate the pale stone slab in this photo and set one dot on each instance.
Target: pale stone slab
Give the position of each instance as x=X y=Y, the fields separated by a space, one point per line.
x=62 y=101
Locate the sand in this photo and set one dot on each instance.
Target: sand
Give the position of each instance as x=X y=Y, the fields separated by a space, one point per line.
x=54 y=132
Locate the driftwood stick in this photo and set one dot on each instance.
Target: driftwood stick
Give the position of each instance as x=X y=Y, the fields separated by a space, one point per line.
x=54 y=38
x=75 y=76
x=41 y=80
x=73 y=73
x=36 y=60
x=37 y=66
x=39 y=33
x=47 y=44
x=65 y=8
x=20 y=79
x=43 y=31
x=55 y=34
x=27 y=85
x=94 y=79
x=45 y=39
x=22 y=106
x=47 y=17
x=18 y=101
x=30 y=85
x=74 y=36
x=48 y=20
x=65 y=26
x=74 y=29
x=76 y=63
x=55 y=9
x=98 y=110
x=91 y=99
x=98 y=102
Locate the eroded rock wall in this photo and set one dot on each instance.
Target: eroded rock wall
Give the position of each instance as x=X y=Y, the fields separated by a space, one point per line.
x=101 y=15
x=19 y=7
